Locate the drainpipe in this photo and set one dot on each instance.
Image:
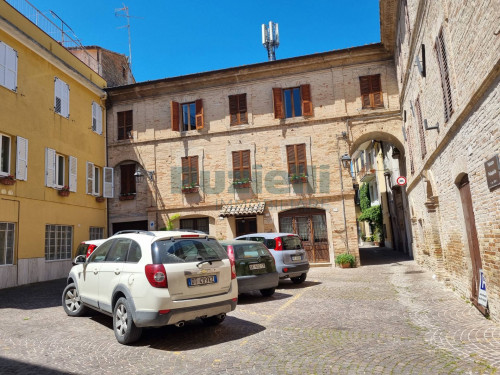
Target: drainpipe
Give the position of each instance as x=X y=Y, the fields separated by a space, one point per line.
x=344 y=136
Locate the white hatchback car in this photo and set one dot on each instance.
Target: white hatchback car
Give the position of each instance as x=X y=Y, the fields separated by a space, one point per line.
x=151 y=279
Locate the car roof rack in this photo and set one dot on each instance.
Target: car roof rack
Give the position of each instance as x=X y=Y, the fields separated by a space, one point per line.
x=191 y=230
x=135 y=231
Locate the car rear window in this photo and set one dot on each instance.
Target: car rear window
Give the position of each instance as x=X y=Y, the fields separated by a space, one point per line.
x=250 y=251
x=81 y=249
x=186 y=250
x=291 y=242
x=269 y=243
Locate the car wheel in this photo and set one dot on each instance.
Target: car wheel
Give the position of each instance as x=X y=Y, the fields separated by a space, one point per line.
x=71 y=301
x=126 y=332
x=267 y=292
x=299 y=279
x=214 y=320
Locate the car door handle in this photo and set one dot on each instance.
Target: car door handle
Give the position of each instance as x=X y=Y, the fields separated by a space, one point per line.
x=117 y=271
x=96 y=271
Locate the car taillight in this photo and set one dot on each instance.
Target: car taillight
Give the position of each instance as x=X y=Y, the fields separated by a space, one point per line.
x=279 y=244
x=90 y=249
x=230 y=254
x=156 y=275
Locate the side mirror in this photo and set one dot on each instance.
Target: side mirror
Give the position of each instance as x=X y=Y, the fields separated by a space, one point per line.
x=80 y=259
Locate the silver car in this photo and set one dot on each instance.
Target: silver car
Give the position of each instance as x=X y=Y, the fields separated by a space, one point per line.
x=291 y=258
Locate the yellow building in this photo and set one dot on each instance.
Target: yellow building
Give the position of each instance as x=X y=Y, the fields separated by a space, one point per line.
x=52 y=148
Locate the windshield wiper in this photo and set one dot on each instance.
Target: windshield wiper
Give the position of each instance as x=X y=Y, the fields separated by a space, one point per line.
x=209 y=261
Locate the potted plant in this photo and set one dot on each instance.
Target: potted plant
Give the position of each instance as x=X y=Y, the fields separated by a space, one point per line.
x=100 y=199
x=345 y=260
x=241 y=183
x=127 y=196
x=64 y=191
x=190 y=188
x=7 y=180
x=297 y=178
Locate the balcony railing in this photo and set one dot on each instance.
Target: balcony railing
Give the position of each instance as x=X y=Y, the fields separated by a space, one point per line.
x=62 y=35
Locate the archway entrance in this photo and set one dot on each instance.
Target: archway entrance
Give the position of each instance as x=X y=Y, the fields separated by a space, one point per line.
x=310 y=225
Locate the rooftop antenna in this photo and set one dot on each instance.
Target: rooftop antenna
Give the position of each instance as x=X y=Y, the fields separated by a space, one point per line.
x=270 y=39
x=123 y=12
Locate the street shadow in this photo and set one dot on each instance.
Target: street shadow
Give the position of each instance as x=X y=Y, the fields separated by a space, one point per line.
x=11 y=366
x=288 y=284
x=374 y=256
x=255 y=297
x=194 y=335
x=33 y=296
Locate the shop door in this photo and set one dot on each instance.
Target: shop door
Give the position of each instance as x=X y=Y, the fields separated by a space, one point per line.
x=246 y=225
x=470 y=226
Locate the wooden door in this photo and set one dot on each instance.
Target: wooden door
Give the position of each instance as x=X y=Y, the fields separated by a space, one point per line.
x=470 y=227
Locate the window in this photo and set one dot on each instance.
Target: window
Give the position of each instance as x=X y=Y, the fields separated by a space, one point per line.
x=187 y=116
x=200 y=223
x=238 y=109
x=190 y=171
x=4 y=155
x=96 y=233
x=7 y=235
x=125 y=122
x=96 y=118
x=93 y=179
x=292 y=102
x=371 y=91
x=58 y=241
x=8 y=67
x=61 y=100
x=296 y=155
x=59 y=170
x=127 y=179
x=55 y=170
x=118 y=252
x=241 y=165
x=421 y=130
x=445 y=75
x=99 y=254
x=410 y=150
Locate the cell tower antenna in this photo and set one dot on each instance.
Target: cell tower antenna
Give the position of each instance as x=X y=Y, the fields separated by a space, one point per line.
x=270 y=39
x=123 y=12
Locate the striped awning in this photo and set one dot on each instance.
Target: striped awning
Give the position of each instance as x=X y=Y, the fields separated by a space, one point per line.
x=244 y=209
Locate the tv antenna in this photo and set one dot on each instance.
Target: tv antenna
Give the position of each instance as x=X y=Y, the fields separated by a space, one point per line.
x=270 y=39
x=123 y=12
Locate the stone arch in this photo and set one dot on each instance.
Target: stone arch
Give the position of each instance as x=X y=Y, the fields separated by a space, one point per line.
x=384 y=132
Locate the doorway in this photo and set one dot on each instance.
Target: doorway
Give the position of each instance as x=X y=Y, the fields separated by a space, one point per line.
x=310 y=225
x=246 y=225
x=130 y=225
x=471 y=231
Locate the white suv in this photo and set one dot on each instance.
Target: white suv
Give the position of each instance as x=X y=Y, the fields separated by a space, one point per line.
x=151 y=279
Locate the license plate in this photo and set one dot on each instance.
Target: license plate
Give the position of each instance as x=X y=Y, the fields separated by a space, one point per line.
x=257 y=266
x=296 y=257
x=202 y=280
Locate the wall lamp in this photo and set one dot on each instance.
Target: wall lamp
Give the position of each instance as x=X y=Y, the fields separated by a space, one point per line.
x=139 y=175
x=346 y=160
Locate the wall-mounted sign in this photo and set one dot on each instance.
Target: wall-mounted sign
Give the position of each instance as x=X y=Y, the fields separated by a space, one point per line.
x=482 y=298
x=492 y=168
x=401 y=181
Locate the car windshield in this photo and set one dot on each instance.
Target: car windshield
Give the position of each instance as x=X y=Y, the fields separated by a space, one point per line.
x=82 y=249
x=250 y=251
x=291 y=243
x=186 y=250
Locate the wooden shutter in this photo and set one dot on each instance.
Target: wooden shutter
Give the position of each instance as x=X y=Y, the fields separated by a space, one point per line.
x=296 y=155
x=199 y=114
x=193 y=166
x=242 y=107
x=127 y=179
x=8 y=67
x=73 y=169
x=96 y=118
x=22 y=159
x=50 y=167
x=445 y=76
x=301 y=158
x=90 y=178
x=305 y=93
x=185 y=170
x=174 y=116
x=279 y=110
x=364 y=85
x=376 y=90
x=421 y=131
x=410 y=149
x=107 y=182
x=236 y=165
x=241 y=165
x=233 y=110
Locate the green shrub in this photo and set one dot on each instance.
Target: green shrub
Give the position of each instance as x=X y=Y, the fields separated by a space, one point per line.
x=345 y=258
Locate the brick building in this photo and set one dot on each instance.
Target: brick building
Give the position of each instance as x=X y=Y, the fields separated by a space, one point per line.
x=253 y=148
x=447 y=61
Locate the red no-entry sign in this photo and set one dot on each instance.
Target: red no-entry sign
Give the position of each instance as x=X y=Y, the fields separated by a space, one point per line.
x=401 y=180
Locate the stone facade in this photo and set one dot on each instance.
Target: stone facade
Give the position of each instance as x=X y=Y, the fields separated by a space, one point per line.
x=335 y=92
x=464 y=142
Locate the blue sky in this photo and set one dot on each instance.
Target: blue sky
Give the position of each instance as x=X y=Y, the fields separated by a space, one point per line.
x=172 y=38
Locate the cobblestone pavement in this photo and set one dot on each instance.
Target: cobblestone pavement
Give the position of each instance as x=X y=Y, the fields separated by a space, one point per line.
x=389 y=317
